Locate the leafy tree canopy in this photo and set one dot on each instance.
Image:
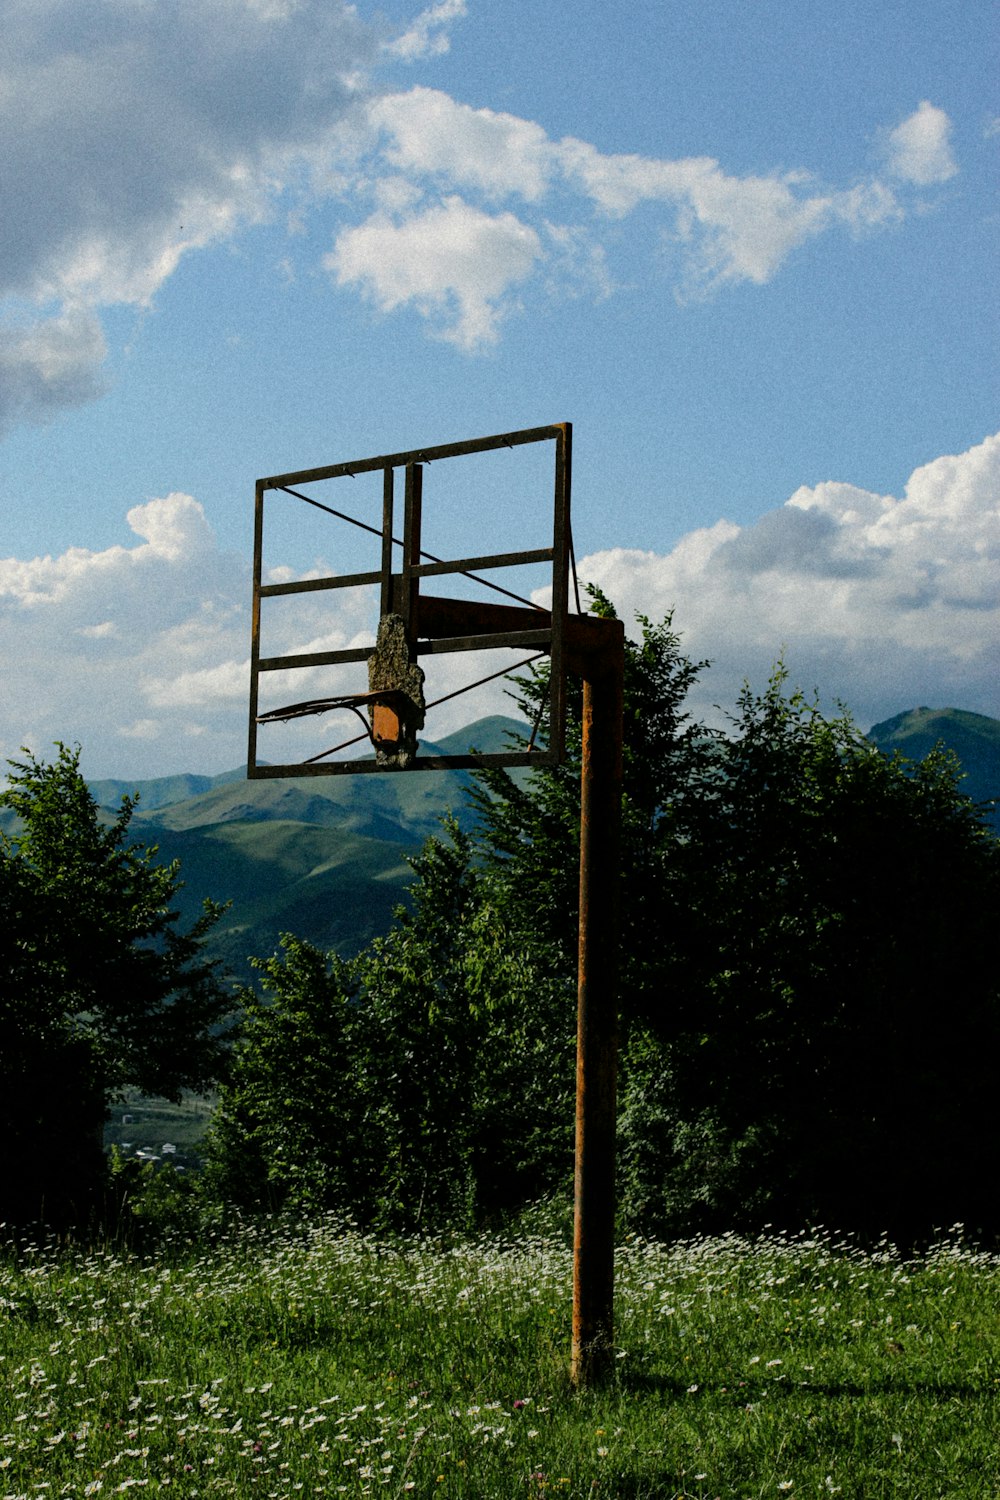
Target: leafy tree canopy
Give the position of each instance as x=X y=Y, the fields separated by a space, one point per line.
x=427 y=1082
x=809 y=1014
x=99 y=987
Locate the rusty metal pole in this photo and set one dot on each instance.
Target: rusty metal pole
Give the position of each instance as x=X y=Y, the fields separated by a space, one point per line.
x=597 y=1013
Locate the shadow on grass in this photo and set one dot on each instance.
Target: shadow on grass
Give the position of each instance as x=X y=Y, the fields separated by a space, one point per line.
x=641 y=1382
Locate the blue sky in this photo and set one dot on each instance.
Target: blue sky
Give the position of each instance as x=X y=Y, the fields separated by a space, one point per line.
x=749 y=251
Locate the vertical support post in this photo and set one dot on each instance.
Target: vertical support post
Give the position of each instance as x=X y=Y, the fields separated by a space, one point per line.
x=409 y=585
x=258 y=555
x=385 y=602
x=597 y=1016
x=560 y=588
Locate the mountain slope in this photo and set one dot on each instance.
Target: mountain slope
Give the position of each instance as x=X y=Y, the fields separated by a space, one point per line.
x=160 y=791
x=402 y=807
x=322 y=857
x=331 y=886
x=326 y=857
x=974 y=738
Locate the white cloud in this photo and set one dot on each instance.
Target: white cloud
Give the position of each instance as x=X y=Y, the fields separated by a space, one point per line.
x=723 y=229
x=428 y=35
x=743 y=229
x=92 y=641
x=919 y=150
x=174 y=530
x=143 y=729
x=49 y=366
x=883 y=602
x=430 y=133
x=140 y=651
x=454 y=263
x=137 y=133
x=134 y=134
x=203 y=687
x=732 y=228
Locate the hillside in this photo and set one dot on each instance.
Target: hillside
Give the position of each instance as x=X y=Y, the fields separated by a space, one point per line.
x=326 y=857
x=323 y=857
x=401 y=808
x=974 y=738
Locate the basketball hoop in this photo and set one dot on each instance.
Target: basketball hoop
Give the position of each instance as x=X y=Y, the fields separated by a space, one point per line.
x=392 y=710
x=413 y=624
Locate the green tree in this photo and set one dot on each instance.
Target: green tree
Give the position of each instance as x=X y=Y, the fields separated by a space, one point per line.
x=845 y=1034
x=474 y=1017
x=295 y=1122
x=809 y=1016
x=427 y=1082
x=528 y=830
x=99 y=987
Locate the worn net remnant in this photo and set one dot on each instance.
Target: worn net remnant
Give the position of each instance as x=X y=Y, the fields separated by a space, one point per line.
x=395 y=722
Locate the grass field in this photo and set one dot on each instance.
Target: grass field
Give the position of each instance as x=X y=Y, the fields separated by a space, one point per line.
x=142 y=1123
x=316 y=1361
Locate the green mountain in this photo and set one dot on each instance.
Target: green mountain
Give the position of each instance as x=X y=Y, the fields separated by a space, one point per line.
x=161 y=791
x=326 y=857
x=326 y=884
x=400 y=807
x=974 y=738
x=322 y=857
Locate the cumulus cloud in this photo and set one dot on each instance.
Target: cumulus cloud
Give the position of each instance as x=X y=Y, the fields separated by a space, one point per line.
x=919 y=150
x=722 y=228
x=137 y=134
x=428 y=35
x=49 y=366
x=428 y=132
x=174 y=530
x=455 y=263
x=92 y=640
x=880 y=601
x=140 y=651
x=134 y=134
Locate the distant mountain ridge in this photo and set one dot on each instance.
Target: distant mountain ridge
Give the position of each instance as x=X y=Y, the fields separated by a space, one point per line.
x=327 y=857
x=161 y=791
x=324 y=857
x=974 y=738
x=398 y=806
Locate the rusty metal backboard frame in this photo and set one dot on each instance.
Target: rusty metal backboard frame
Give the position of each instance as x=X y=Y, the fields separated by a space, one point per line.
x=434 y=625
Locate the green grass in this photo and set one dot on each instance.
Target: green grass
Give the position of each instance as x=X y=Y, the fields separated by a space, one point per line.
x=319 y=1361
x=151 y=1122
